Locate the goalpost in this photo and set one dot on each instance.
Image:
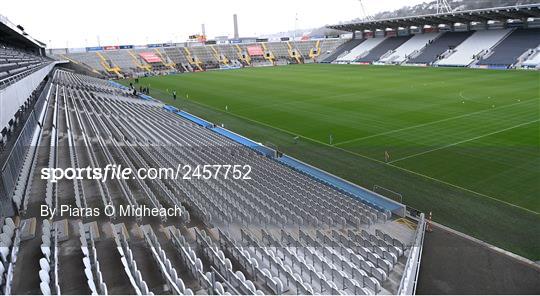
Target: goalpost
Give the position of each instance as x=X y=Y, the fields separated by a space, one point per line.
x=388 y=193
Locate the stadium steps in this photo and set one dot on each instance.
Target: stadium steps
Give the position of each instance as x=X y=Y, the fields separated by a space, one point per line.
x=165 y=60
x=109 y=68
x=218 y=56
x=345 y=47
x=243 y=55
x=410 y=48
x=445 y=42
x=383 y=48
x=361 y=50
x=193 y=60
x=268 y=54
x=294 y=53
x=138 y=63
x=478 y=44
x=316 y=51
x=508 y=51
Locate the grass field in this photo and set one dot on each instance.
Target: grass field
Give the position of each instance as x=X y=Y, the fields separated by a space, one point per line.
x=463 y=143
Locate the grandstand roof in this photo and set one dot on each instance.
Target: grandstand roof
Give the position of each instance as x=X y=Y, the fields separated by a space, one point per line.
x=10 y=32
x=465 y=16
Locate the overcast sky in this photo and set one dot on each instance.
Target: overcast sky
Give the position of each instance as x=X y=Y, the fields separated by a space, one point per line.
x=74 y=23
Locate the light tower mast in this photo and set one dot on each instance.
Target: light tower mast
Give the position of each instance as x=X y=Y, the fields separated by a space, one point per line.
x=443 y=6
x=365 y=16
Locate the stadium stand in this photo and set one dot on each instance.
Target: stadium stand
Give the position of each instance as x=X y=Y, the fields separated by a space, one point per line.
x=287 y=230
x=329 y=47
x=361 y=50
x=512 y=47
x=447 y=41
x=279 y=49
x=186 y=59
x=413 y=46
x=89 y=59
x=533 y=60
x=16 y=64
x=473 y=48
x=122 y=60
x=205 y=55
x=383 y=48
x=340 y=50
x=304 y=47
x=368 y=249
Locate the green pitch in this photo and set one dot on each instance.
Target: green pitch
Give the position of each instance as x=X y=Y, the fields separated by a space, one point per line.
x=447 y=139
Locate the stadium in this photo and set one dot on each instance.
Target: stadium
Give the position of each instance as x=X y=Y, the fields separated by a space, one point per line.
x=395 y=154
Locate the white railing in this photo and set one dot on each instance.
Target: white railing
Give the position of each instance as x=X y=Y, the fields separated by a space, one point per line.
x=409 y=281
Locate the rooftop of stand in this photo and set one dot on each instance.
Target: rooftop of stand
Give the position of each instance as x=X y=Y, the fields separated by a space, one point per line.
x=465 y=16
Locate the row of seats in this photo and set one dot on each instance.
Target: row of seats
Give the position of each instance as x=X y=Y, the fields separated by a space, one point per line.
x=533 y=59
x=439 y=46
x=271 y=264
x=78 y=189
x=473 y=47
x=92 y=270
x=193 y=262
x=383 y=48
x=223 y=264
x=372 y=277
x=129 y=263
x=51 y=189
x=10 y=241
x=149 y=128
x=164 y=264
x=120 y=129
x=251 y=265
x=361 y=50
x=413 y=46
x=48 y=273
x=345 y=273
x=371 y=262
x=274 y=181
x=128 y=64
x=15 y=63
x=502 y=47
x=512 y=47
x=120 y=151
x=104 y=193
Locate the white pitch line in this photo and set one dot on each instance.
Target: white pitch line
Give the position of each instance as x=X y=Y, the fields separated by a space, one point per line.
x=464 y=141
x=429 y=123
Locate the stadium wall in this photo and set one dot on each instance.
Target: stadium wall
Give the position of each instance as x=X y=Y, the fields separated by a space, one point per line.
x=13 y=96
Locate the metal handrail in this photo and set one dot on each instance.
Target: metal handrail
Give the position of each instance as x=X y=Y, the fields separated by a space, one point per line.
x=14 y=78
